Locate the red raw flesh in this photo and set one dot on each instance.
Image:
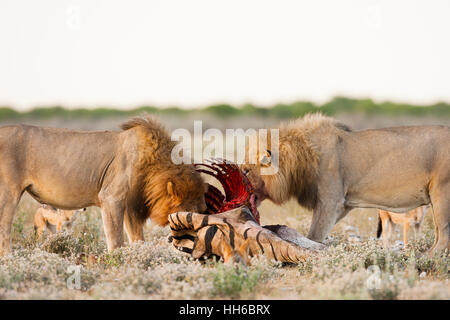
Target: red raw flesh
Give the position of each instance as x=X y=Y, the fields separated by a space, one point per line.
x=238 y=189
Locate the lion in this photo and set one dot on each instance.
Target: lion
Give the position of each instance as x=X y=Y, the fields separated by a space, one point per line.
x=331 y=169
x=54 y=220
x=128 y=174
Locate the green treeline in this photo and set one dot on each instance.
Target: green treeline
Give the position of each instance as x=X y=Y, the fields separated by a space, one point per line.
x=335 y=106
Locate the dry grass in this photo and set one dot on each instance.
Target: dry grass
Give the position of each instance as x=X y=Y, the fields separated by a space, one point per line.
x=39 y=269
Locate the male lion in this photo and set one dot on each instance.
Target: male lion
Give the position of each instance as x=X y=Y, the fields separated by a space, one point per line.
x=128 y=174
x=330 y=169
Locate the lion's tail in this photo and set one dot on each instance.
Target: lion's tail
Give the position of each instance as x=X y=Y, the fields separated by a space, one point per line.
x=380 y=227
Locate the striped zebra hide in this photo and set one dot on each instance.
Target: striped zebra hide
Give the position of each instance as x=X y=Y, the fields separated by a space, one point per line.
x=201 y=235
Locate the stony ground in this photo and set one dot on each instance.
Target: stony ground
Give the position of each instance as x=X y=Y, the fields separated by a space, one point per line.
x=354 y=267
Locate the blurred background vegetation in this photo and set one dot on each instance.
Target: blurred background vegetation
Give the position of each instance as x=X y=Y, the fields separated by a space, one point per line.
x=336 y=106
x=357 y=113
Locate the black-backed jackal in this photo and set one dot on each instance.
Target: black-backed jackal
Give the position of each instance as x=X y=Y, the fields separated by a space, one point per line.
x=387 y=221
x=54 y=220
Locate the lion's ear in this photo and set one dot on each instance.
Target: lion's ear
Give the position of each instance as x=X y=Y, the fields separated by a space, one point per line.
x=266 y=159
x=170 y=190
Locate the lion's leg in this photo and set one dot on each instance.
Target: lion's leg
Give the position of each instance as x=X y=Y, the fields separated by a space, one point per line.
x=134 y=229
x=8 y=204
x=343 y=214
x=436 y=234
x=441 y=215
x=330 y=205
x=112 y=216
x=324 y=218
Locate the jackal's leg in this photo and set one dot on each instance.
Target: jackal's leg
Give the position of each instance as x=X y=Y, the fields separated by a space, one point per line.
x=405 y=233
x=385 y=232
x=390 y=232
x=417 y=230
x=40 y=225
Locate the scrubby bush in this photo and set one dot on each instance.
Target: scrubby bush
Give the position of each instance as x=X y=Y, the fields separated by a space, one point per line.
x=231 y=281
x=363 y=269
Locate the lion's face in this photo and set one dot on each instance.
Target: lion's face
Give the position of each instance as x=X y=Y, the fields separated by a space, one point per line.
x=174 y=189
x=188 y=195
x=253 y=172
x=186 y=192
x=258 y=169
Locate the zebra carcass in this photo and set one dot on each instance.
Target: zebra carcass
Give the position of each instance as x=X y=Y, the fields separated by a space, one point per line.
x=232 y=220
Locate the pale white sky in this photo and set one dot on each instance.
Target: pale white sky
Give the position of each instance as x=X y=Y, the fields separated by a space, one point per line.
x=198 y=52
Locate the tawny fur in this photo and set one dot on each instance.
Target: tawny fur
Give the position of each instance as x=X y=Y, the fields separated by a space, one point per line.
x=330 y=169
x=128 y=174
x=156 y=170
x=295 y=147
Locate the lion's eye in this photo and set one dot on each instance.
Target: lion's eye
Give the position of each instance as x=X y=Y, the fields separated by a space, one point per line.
x=246 y=171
